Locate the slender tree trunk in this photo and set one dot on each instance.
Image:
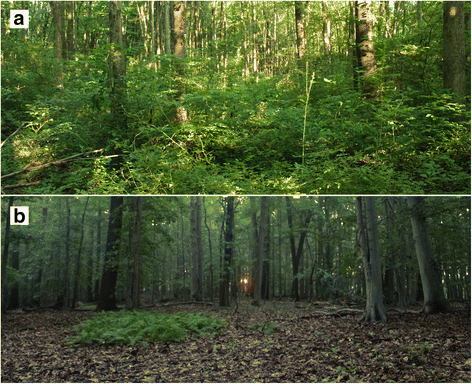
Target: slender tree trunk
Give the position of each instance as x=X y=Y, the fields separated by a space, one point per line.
x=260 y=253
x=433 y=293
x=137 y=251
x=6 y=245
x=79 y=257
x=179 y=51
x=228 y=252
x=375 y=311
x=196 y=242
x=58 y=21
x=117 y=68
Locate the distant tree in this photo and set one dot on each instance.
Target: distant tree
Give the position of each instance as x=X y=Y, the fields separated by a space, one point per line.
x=260 y=252
x=107 y=297
x=59 y=38
x=79 y=256
x=433 y=293
x=196 y=246
x=296 y=252
x=228 y=253
x=137 y=251
x=374 y=307
x=454 y=48
x=6 y=247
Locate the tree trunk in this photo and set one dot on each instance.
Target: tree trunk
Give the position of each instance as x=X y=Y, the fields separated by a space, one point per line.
x=260 y=253
x=228 y=253
x=107 y=299
x=434 y=300
x=4 y=257
x=454 y=48
x=300 y=8
x=117 y=68
x=365 y=47
x=197 y=251
x=58 y=21
x=79 y=257
x=374 y=311
x=137 y=251
x=179 y=51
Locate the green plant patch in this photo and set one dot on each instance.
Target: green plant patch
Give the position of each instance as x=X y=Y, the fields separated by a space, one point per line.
x=136 y=327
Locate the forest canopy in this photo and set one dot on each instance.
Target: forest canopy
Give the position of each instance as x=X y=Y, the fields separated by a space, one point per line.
x=237 y=97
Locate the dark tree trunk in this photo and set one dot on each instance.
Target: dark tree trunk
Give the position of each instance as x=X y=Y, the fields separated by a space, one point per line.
x=107 y=299
x=454 y=48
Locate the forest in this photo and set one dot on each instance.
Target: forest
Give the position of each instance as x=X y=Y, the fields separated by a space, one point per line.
x=236 y=97
x=236 y=289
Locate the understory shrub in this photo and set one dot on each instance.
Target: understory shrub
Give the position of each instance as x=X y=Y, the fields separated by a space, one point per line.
x=136 y=327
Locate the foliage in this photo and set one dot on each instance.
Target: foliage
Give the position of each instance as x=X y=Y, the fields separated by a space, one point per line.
x=135 y=327
x=250 y=131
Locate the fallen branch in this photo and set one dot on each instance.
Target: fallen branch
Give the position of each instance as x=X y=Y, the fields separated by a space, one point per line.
x=31 y=167
x=13 y=134
x=20 y=185
x=187 y=303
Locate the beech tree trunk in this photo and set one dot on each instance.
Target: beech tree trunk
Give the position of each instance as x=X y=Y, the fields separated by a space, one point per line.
x=365 y=47
x=454 y=48
x=374 y=311
x=433 y=293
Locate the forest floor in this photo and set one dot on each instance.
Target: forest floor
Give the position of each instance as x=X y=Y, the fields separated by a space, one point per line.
x=277 y=342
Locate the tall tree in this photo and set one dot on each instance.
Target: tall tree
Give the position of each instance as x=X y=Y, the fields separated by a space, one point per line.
x=433 y=293
x=374 y=307
x=79 y=256
x=228 y=252
x=300 y=16
x=179 y=51
x=366 y=62
x=196 y=243
x=59 y=38
x=296 y=253
x=6 y=246
x=107 y=298
x=137 y=251
x=117 y=68
x=260 y=251
x=454 y=48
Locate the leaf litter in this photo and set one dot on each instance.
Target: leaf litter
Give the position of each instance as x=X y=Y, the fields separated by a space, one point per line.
x=277 y=342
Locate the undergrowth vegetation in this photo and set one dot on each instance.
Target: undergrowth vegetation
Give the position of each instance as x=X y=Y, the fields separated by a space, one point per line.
x=137 y=327
x=291 y=130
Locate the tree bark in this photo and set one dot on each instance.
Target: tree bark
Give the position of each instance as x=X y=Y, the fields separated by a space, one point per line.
x=365 y=47
x=6 y=245
x=454 y=48
x=107 y=298
x=228 y=253
x=433 y=293
x=197 y=251
x=374 y=311
x=137 y=252
x=179 y=51
x=117 y=68
x=260 y=253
